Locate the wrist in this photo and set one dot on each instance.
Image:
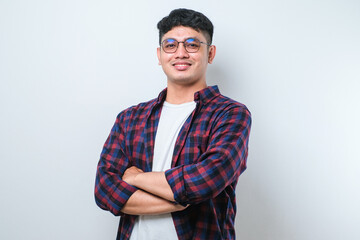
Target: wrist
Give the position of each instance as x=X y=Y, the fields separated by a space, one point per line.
x=135 y=180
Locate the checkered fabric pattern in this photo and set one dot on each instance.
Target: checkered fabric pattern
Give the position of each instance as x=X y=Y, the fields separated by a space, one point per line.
x=209 y=156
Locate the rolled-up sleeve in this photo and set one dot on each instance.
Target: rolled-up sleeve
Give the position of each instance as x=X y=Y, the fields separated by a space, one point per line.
x=220 y=165
x=111 y=192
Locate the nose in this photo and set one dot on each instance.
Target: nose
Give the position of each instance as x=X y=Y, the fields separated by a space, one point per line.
x=181 y=51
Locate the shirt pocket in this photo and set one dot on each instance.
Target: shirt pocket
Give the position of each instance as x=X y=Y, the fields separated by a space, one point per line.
x=196 y=146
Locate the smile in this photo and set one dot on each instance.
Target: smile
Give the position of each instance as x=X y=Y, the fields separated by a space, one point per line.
x=181 y=66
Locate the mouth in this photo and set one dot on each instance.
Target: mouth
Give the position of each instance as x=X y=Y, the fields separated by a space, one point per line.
x=181 y=66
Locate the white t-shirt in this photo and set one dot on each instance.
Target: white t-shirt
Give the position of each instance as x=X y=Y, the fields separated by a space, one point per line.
x=172 y=118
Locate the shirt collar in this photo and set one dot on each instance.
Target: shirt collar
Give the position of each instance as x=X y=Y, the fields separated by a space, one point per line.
x=203 y=96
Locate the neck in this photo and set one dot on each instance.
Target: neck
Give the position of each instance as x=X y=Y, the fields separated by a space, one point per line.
x=178 y=94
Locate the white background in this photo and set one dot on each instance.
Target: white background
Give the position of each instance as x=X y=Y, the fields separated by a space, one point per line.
x=67 y=68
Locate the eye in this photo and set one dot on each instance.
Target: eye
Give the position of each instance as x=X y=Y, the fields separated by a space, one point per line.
x=192 y=43
x=170 y=43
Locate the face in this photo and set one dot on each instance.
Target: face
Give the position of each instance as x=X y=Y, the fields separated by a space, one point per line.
x=182 y=67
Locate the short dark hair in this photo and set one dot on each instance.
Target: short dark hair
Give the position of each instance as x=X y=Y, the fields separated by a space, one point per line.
x=187 y=18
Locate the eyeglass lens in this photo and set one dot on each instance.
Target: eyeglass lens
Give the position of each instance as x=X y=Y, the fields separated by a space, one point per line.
x=191 y=45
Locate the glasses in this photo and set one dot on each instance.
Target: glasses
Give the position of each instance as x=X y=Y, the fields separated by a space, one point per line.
x=191 y=45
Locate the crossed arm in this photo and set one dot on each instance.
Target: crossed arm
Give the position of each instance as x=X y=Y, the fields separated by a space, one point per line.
x=121 y=189
x=154 y=195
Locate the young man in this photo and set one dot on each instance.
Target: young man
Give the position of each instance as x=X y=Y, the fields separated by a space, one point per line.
x=170 y=166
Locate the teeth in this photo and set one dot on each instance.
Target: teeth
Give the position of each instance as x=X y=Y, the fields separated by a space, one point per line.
x=181 y=65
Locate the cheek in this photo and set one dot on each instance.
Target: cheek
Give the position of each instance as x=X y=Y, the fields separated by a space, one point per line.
x=203 y=63
x=202 y=59
x=165 y=59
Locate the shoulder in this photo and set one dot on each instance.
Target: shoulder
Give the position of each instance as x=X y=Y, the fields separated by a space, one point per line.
x=224 y=105
x=136 y=112
x=230 y=114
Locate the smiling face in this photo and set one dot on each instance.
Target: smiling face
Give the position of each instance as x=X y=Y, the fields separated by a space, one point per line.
x=182 y=67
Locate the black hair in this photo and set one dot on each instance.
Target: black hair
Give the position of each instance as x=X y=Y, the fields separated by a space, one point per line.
x=187 y=18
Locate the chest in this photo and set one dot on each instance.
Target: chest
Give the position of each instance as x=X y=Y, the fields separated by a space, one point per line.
x=191 y=141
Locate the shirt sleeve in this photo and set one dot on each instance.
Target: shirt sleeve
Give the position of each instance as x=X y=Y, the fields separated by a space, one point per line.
x=220 y=165
x=111 y=192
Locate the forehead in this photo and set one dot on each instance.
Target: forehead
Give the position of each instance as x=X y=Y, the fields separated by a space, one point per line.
x=181 y=33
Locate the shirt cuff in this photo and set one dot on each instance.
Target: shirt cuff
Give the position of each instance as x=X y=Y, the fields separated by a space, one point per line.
x=175 y=178
x=121 y=195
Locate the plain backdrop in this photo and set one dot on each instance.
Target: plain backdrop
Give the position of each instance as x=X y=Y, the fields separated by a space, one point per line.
x=67 y=68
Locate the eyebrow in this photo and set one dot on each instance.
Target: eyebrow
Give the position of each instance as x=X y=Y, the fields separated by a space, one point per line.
x=180 y=41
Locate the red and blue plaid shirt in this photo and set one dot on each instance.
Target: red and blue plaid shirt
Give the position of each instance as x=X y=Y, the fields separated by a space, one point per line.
x=209 y=156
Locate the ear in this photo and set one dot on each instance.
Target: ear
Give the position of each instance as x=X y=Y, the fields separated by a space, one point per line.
x=158 y=55
x=212 y=52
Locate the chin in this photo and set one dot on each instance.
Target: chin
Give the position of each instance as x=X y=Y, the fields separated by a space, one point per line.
x=186 y=82
x=183 y=81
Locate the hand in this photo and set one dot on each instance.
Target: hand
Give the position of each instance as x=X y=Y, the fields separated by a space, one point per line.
x=180 y=207
x=130 y=174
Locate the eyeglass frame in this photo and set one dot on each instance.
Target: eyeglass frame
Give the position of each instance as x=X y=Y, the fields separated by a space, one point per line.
x=183 y=42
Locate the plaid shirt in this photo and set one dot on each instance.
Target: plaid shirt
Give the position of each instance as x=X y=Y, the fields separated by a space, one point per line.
x=209 y=156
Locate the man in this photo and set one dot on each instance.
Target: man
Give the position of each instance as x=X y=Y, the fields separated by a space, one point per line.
x=170 y=166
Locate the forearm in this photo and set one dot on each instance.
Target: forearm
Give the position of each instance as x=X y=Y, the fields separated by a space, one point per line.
x=111 y=192
x=155 y=183
x=143 y=203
